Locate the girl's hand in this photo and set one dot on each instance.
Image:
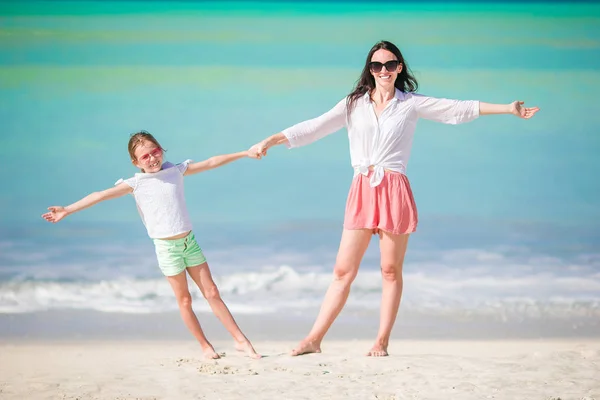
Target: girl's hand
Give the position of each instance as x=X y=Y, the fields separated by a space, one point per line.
x=56 y=214
x=262 y=147
x=254 y=153
x=516 y=108
x=258 y=150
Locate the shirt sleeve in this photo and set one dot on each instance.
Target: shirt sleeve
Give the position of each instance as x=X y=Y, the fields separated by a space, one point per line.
x=132 y=182
x=182 y=167
x=446 y=111
x=317 y=128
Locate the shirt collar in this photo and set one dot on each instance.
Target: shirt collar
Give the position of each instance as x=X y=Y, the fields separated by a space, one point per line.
x=399 y=96
x=165 y=165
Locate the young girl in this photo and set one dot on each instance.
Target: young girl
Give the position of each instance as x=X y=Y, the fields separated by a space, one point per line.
x=158 y=193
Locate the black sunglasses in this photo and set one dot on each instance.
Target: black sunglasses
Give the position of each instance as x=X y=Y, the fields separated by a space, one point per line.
x=390 y=66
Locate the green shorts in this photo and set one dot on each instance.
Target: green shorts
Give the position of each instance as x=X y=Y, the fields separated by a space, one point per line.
x=174 y=256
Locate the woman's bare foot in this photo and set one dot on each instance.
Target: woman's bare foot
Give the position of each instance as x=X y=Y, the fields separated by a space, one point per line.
x=378 y=350
x=210 y=353
x=247 y=348
x=306 y=347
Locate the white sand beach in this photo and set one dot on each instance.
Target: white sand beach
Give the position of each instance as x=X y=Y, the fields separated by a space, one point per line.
x=136 y=369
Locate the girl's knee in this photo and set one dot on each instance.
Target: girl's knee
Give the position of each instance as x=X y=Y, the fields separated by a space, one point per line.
x=185 y=300
x=211 y=293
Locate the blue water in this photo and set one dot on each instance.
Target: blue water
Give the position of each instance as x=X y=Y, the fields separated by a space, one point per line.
x=509 y=209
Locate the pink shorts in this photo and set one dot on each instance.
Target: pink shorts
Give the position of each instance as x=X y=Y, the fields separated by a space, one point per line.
x=389 y=207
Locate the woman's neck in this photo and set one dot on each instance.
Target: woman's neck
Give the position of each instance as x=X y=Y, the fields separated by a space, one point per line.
x=383 y=95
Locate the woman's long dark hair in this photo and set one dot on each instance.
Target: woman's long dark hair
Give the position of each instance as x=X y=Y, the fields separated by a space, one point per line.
x=405 y=81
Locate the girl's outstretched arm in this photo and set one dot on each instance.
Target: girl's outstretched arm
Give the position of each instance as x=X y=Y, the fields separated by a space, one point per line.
x=217 y=161
x=56 y=213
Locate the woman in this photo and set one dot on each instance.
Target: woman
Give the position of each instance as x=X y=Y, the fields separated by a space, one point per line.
x=380 y=114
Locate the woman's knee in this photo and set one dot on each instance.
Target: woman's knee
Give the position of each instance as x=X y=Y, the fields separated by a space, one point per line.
x=344 y=273
x=391 y=272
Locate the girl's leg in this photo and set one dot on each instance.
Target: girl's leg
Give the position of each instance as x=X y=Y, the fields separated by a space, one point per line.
x=203 y=278
x=353 y=245
x=184 y=300
x=393 y=249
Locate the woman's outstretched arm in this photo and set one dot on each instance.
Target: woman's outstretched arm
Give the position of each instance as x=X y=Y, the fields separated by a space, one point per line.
x=451 y=111
x=516 y=108
x=308 y=131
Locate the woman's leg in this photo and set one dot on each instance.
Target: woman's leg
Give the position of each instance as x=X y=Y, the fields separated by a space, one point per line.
x=353 y=245
x=203 y=278
x=184 y=300
x=393 y=249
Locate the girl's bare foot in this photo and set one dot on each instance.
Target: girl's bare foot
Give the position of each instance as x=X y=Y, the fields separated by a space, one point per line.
x=378 y=350
x=209 y=352
x=247 y=348
x=306 y=347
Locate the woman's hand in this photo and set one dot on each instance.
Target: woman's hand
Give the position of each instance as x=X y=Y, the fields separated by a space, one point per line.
x=260 y=149
x=516 y=108
x=257 y=151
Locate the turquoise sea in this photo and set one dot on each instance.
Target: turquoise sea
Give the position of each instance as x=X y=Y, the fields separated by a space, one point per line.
x=509 y=209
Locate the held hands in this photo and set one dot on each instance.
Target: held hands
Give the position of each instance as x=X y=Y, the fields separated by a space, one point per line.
x=258 y=150
x=516 y=108
x=56 y=214
x=253 y=152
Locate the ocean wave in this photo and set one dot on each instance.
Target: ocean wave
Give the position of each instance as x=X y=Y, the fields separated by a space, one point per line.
x=444 y=293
